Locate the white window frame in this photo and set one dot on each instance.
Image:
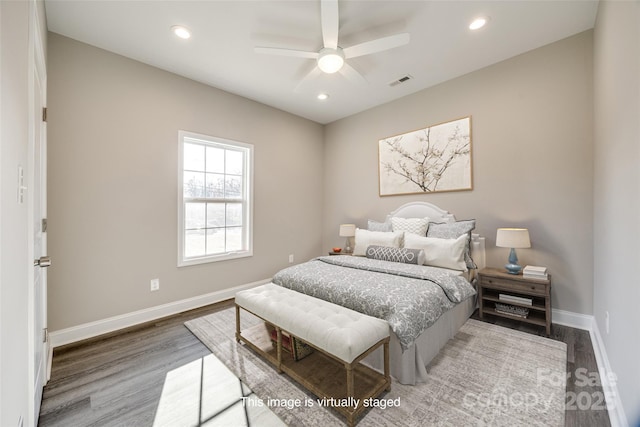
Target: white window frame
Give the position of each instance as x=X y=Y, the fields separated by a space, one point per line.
x=247 y=197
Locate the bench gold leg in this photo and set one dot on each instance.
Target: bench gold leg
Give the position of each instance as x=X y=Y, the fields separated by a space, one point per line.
x=350 y=393
x=237 y=323
x=387 y=376
x=279 y=348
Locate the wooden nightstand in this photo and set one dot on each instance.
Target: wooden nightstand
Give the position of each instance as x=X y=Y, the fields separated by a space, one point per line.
x=493 y=282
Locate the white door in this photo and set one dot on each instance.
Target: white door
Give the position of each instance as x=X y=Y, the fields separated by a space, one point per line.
x=38 y=169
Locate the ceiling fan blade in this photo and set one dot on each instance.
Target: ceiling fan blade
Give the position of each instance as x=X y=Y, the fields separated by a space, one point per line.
x=314 y=73
x=351 y=74
x=330 y=23
x=377 y=45
x=286 y=52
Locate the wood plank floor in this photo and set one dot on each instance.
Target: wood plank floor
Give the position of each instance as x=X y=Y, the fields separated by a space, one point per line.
x=584 y=392
x=117 y=379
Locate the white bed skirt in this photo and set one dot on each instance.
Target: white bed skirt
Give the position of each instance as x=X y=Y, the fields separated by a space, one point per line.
x=410 y=367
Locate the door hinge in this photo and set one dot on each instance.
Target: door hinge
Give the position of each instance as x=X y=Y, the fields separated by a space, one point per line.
x=44 y=114
x=44 y=225
x=45 y=335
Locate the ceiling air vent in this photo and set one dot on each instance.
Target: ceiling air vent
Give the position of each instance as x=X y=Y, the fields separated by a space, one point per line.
x=402 y=79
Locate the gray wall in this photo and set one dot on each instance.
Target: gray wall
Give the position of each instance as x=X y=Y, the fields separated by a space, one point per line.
x=617 y=193
x=113 y=145
x=532 y=160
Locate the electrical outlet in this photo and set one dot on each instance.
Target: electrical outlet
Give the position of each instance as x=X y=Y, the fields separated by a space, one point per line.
x=155 y=284
x=606 y=322
x=291 y=259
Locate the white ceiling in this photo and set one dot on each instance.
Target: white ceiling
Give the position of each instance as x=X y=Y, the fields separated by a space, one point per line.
x=220 y=52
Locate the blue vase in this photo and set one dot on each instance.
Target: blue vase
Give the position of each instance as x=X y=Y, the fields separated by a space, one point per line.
x=512 y=267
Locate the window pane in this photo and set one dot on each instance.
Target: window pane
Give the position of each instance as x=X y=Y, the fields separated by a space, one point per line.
x=194 y=215
x=193 y=184
x=215 y=185
x=234 y=214
x=235 y=162
x=194 y=243
x=233 y=187
x=215 y=201
x=215 y=241
x=193 y=157
x=215 y=160
x=234 y=239
x=215 y=215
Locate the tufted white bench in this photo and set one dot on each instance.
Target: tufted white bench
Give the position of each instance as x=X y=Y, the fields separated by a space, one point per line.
x=344 y=335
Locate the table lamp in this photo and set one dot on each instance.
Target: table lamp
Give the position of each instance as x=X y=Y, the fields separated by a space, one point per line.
x=348 y=231
x=514 y=238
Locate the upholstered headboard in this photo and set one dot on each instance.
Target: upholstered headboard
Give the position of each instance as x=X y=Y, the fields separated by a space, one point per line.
x=423 y=210
x=436 y=214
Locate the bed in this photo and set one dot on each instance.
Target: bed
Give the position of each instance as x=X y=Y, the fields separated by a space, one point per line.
x=425 y=305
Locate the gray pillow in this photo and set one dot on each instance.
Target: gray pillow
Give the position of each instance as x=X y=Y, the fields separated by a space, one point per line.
x=379 y=226
x=454 y=230
x=386 y=253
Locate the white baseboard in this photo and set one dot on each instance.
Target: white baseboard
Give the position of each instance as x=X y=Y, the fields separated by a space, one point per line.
x=617 y=416
x=573 y=320
x=616 y=412
x=93 y=329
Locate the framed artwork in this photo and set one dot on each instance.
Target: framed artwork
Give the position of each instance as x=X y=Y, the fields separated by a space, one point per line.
x=429 y=160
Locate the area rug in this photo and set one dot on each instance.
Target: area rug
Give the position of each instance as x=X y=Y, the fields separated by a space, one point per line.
x=485 y=375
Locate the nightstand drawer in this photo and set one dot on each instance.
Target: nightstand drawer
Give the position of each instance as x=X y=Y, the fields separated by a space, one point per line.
x=514 y=285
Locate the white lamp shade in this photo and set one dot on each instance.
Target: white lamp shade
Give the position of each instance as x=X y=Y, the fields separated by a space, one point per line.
x=513 y=238
x=347 y=230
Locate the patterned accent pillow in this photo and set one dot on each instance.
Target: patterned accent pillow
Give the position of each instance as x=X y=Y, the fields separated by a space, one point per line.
x=379 y=226
x=366 y=238
x=407 y=256
x=417 y=226
x=454 y=230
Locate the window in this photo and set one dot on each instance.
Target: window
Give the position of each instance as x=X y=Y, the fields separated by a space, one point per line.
x=215 y=199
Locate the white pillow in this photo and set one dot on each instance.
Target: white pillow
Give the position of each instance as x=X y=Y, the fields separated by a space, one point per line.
x=447 y=253
x=417 y=226
x=366 y=238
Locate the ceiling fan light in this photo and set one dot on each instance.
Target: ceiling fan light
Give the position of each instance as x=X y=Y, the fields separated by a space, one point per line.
x=330 y=60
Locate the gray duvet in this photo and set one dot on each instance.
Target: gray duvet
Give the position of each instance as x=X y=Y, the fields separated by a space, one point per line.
x=409 y=297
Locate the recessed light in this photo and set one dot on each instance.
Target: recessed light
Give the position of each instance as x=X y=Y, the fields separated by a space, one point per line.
x=323 y=96
x=478 y=23
x=181 y=31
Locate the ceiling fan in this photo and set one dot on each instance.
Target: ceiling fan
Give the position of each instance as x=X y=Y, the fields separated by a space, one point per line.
x=331 y=58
